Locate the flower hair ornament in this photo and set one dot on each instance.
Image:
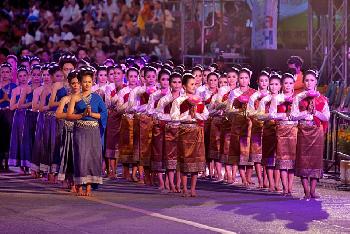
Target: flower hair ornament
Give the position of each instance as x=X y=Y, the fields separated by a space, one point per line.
x=245 y=69
x=22 y=68
x=35 y=66
x=6 y=65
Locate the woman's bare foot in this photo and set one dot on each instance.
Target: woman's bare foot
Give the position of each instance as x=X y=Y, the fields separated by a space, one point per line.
x=134 y=179
x=193 y=193
x=73 y=189
x=80 y=191
x=141 y=181
x=88 y=191
x=278 y=189
x=184 y=193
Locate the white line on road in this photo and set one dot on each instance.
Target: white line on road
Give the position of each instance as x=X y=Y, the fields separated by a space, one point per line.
x=160 y=216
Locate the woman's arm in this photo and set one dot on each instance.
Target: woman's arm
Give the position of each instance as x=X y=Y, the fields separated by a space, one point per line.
x=295 y=113
x=52 y=101
x=71 y=107
x=13 y=104
x=5 y=98
x=36 y=95
x=59 y=112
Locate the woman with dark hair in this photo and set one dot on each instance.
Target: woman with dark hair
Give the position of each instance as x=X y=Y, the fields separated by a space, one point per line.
x=26 y=102
x=49 y=102
x=209 y=97
x=241 y=126
x=255 y=152
x=221 y=102
x=191 y=112
x=89 y=113
x=157 y=151
x=126 y=141
x=101 y=81
x=66 y=169
x=6 y=115
x=286 y=132
x=16 y=140
x=216 y=128
x=312 y=110
x=269 y=137
x=143 y=124
x=114 y=120
x=60 y=89
x=170 y=148
x=38 y=147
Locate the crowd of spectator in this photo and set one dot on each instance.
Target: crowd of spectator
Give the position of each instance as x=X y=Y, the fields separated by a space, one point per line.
x=111 y=28
x=101 y=29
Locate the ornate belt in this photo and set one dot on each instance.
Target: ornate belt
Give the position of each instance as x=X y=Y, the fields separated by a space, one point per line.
x=307 y=122
x=172 y=124
x=287 y=122
x=86 y=124
x=189 y=124
x=68 y=124
x=50 y=113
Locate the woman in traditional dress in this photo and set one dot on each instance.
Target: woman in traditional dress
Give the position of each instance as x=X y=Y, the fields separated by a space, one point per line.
x=15 y=157
x=191 y=112
x=216 y=128
x=241 y=126
x=102 y=81
x=38 y=147
x=221 y=102
x=89 y=112
x=26 y=102
x=286 y=132
x=66 y=169
x=143 y=124
x=100 y=88
x=269 y=138
x=6 y=114
x=170 y=147
x=255 y=152
x=197 y=72
x=209 y=97
x=110 y=75
x=113 y=121
x=312 y=110
x=157 y=151
x=49 y=123
x=126 y=146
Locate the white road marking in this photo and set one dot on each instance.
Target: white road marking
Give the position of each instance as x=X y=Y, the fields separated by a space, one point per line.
x=160 y=216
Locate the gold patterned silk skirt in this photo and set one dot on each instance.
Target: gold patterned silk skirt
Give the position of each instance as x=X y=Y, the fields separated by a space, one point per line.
x=309 y=160
x=286 y=145
x=113 y=134
x=191 y=148
x=126 y=141
x=215 y=138
x=143 y=125
x=158 y=142
x=269 y=143
x=171 y=140
x=255 y=152
x=225 y=136
x=240 y=141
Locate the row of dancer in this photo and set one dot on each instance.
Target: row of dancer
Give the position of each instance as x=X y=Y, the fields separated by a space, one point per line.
x=167 y=120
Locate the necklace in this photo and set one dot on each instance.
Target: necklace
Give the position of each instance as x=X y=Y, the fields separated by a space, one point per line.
x=86 y=99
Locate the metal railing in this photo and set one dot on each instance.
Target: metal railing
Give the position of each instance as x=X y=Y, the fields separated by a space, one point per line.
x=338 y=135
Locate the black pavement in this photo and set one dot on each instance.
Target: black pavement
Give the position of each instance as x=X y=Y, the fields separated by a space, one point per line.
x=31 y=206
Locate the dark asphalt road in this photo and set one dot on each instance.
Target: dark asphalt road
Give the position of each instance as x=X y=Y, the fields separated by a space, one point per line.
x=31 y=206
